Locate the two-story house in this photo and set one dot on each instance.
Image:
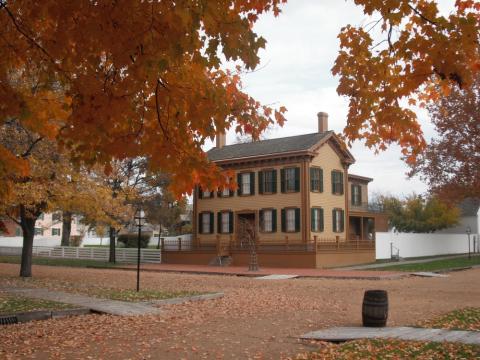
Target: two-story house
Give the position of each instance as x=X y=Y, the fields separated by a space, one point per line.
x=293 y=202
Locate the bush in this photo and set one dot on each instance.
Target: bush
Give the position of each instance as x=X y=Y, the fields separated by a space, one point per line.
x=76 y=240
x=131 y=240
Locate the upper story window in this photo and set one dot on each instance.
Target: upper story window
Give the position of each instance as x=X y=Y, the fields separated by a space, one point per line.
x=226 y=192
x=317 y=219
x=316 y=179
x=268 y=220
x=337 y=182
x=41 y=216
x=267 y=181
x=56 y=217
x=338 y=216
x=356 y=194
x=290 y=178
x=246 y=183
x=204 y=194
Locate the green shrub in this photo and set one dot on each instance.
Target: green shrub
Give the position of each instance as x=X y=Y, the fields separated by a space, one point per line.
x=131 y=240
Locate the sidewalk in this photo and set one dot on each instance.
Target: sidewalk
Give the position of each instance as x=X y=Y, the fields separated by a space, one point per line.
x=113 y=307
x=243 y=271
x=401 y=262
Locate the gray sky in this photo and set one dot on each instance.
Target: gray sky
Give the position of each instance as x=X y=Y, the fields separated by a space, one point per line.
x=295 y=72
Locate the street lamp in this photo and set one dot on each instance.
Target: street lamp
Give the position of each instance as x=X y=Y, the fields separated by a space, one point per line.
x=469 y=231
x=139 y=221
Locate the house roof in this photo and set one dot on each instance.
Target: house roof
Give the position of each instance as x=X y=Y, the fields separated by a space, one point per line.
x=358 y=177
x=267 y=147
x=469 y=206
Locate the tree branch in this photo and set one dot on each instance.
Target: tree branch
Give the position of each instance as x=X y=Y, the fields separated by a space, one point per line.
x=416 y=11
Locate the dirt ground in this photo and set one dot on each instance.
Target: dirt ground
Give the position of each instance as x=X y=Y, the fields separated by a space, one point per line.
x=257 y=319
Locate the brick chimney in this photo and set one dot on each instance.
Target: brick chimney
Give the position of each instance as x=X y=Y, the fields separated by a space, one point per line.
x=322 y=122
x=221 y=140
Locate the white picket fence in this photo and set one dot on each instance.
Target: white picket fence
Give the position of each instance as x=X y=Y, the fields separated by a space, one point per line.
x=126 y=255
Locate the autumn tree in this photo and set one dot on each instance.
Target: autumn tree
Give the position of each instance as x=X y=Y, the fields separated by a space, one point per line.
x=141 y=79
x=409 y=54
x=418 y=214
x=451 y=163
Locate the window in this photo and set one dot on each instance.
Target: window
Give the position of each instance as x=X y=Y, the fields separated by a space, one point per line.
x=290 y=179
x=317 y=219
x=246 y=184
x=18 y=231
x=206 y=194
x=356 y=195
x=291 y=220
x=338 y=220
x=55 y=232
x=39 y=231
x=206 y=226
x=56 y=217
x=337 y=182
x=226 y=191
x=41 y=217
x=267 y=181
x=225 y=222
x=268 y=220
x=316 y=179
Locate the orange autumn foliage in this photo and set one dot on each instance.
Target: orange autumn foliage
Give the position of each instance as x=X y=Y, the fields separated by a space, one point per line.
x=416 y=57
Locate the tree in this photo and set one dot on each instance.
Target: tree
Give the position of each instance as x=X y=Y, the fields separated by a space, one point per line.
x=51 y=184
x=451 y=163
x=140 y=79
x=418 y=57
x=419 y=215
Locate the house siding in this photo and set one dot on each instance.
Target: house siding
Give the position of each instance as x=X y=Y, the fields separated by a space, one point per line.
x=255 y=203
x=328 y=160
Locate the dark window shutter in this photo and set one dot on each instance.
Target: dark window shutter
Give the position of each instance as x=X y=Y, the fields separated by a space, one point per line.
x=260 y=182
x=333 y=182
x=260 y=220
x=321 y=179
x=200 y=193
x=284 y=222
x=211 y=223
x=340 y=176
x=312 y=174
x=211 y=194
x=252 y=183
x=321 y=219
x=282 y=180
x=342 y=220
x=352 y=193
x=200 y=223
x=297 y=179
x=219 y=223
x=334 y=227
x=359 y=194
x=312 y=217
x=230 y=222
x=274 y=220
x=239 y=183
x=297 y=220
x=274 y=180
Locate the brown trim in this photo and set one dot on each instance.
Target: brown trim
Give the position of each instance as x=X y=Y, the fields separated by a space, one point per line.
x=263 y=162
x=347 y=208
x=305 y=201
x=359 y=178
x=195 y=216
x=261 y=157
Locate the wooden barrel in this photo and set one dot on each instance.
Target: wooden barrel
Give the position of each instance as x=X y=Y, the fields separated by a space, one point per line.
x=375 y=308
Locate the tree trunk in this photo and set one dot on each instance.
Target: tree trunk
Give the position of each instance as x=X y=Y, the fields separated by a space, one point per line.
x=112 y=245
x=66 y=228
x=28 y=229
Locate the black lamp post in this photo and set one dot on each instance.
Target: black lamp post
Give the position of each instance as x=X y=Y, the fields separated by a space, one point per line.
x=139 y=221
x=469 y=231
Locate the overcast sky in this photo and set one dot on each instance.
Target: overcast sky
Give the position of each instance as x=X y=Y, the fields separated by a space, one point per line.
x=295 y=72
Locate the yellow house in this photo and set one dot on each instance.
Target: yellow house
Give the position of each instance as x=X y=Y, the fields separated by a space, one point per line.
x=292 y=205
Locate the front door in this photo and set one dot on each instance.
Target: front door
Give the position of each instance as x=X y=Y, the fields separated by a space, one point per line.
x=246 y=230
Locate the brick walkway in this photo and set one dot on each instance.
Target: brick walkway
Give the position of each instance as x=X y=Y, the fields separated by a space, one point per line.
x=243 y=271
x=113 y=307
x=341 y=334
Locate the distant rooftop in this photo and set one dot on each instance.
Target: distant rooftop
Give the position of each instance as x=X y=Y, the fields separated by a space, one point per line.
x=266 y=147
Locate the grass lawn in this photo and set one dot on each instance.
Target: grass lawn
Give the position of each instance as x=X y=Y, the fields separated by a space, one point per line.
x=392 y=349
x=463 y=319
x=59 y=262
x=11 y=304
x=435 y=265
